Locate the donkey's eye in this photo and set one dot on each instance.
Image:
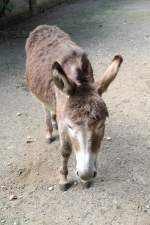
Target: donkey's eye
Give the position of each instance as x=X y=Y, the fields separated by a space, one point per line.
x=70 y=127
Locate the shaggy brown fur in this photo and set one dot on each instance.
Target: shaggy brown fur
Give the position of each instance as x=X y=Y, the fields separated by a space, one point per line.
x=42 y=51
x=86 y=104
x=60 y=75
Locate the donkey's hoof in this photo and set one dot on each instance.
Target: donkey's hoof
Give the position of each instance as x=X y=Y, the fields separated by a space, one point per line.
x=87 y=184
x=50 y=140
x=65 y=187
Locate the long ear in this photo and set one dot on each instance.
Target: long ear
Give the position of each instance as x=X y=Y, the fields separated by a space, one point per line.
x=109 y=75
x=61 y=80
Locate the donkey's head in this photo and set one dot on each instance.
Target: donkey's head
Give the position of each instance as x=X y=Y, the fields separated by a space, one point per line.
x=84 y=115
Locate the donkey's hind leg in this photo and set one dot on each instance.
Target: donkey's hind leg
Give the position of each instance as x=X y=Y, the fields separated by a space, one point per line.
x=49 y=126
x=54 y=121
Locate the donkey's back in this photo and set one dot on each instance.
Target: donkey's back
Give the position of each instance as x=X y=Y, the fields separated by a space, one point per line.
x=44 y=46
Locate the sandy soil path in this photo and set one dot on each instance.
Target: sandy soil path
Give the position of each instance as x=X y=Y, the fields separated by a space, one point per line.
x=121 y=193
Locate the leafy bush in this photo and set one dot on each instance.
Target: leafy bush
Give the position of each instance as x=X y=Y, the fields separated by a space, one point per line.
x=5 y=6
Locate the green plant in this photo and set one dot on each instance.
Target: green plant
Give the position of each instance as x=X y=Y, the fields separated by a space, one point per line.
x=5 y=6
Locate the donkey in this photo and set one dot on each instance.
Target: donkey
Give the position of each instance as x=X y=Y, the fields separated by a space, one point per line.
x=60 y=75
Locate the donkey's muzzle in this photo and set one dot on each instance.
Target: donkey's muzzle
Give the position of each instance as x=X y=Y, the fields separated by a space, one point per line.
x=87 y=175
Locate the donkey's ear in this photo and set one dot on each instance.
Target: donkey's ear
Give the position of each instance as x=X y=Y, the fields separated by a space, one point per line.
x=105 y=80
x=61 y=80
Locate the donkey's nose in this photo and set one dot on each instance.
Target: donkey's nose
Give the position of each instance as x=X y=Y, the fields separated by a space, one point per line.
x=86 y=175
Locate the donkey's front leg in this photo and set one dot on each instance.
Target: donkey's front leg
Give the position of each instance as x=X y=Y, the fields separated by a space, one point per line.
x=65 y=153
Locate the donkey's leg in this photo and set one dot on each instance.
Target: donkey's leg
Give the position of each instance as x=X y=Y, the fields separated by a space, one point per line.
x=49 y=126
x=54 y=121
x=65 y=152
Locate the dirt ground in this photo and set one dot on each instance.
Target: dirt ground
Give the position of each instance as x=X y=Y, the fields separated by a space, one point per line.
x=120 y=194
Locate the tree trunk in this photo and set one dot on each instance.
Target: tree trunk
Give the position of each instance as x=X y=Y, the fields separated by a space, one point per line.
x=33 y=6
x=3 y=4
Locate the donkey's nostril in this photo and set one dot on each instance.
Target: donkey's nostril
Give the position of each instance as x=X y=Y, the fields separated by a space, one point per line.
x=95 y=173
x=77 y=173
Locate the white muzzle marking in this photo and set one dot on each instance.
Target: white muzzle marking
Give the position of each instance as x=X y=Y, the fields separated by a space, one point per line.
x=86 y=165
